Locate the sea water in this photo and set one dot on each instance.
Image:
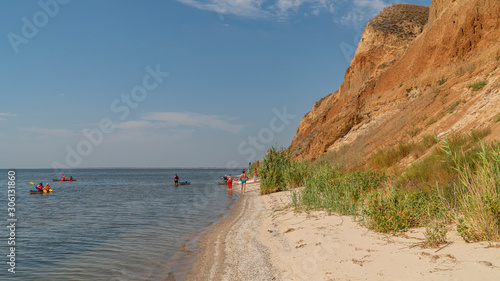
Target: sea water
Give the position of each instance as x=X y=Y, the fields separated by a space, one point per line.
x=110 y=224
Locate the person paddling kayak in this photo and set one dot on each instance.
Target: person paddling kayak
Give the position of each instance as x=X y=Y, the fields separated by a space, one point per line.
x=39 y=187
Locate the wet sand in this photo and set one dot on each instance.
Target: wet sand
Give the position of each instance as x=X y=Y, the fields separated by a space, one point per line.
x=264 y=240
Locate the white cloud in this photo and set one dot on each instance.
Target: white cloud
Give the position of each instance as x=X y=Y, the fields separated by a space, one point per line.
x=8 y=114
x=45 y=131
x=355 y=12
x=363 y=11
x=374 y=5
x=193 y=119
x=244 y=8
x=134 y=124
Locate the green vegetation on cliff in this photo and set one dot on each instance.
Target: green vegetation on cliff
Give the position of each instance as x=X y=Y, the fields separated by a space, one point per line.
x=456 y=180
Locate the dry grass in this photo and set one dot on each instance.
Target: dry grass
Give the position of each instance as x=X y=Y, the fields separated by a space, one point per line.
x=403 y=20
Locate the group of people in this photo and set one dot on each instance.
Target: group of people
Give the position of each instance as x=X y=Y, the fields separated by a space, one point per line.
x=229 y=179
x=243 y=178
x=40 y=187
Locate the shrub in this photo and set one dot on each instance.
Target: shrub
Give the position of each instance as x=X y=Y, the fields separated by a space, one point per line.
x=428 y=140
x=386 y=158
x=393 y=209
x=413 y=131
x=441 y=81
x=453 y=107
x=432 y=121
x=477 y=86
x=435 y=234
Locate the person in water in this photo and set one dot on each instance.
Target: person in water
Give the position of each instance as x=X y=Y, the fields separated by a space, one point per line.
x=47 y=187
x=230 y=181
x=224 y=178
x=176 y=179
x=243 y=178
x=70 y=178
x=39 y=187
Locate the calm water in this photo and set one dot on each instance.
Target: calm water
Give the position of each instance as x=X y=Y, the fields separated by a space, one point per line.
x=111 y=224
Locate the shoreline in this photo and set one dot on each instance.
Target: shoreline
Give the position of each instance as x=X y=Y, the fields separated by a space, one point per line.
x=263 y=240
x=186 y=256
x=215 y=262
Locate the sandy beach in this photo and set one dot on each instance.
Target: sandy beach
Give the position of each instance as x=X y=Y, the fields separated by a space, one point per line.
x=264 y=240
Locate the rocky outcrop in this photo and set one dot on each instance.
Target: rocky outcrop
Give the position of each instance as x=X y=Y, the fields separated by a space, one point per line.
x=392 y=85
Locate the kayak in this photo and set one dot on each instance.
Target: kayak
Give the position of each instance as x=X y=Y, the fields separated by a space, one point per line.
x=62 y=180
x=222 y=183
x=250 y=180
x=184 y=182
x=40 y=192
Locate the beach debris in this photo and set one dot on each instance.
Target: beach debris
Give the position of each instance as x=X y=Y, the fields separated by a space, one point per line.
x=185 y=248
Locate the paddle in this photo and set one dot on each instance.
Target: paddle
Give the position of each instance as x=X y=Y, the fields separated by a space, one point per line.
x=45 y=191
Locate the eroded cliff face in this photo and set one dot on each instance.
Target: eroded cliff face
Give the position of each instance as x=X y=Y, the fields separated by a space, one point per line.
x=391 y=86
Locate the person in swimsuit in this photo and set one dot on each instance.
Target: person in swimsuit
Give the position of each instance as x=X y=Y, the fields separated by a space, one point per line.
x=243 y=178
x=176 y=180
x=230 y=181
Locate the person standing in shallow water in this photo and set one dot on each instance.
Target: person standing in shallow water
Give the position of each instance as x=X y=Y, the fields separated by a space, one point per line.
x=176 y=180
x=243 y=178
x=229 y=181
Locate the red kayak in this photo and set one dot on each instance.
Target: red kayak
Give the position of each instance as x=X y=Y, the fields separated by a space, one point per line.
x=62 y=180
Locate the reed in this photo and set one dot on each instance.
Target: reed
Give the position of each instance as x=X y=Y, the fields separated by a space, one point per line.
x=333 y=191
x=272 y=170
x=457 y=182
x=296 y=173
x=478 y=195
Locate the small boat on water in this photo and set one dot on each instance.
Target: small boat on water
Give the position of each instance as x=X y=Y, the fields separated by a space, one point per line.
x=40 y=192
x=63 y=180
x=184 y=183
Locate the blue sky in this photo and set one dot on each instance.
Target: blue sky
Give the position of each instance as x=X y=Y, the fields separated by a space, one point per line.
x=186 y=83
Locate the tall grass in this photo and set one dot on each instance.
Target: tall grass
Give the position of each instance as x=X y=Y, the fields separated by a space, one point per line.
x=296 y=173
x=478 y=195
x=334 y=191
x=456 y=182
x=272 y=170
